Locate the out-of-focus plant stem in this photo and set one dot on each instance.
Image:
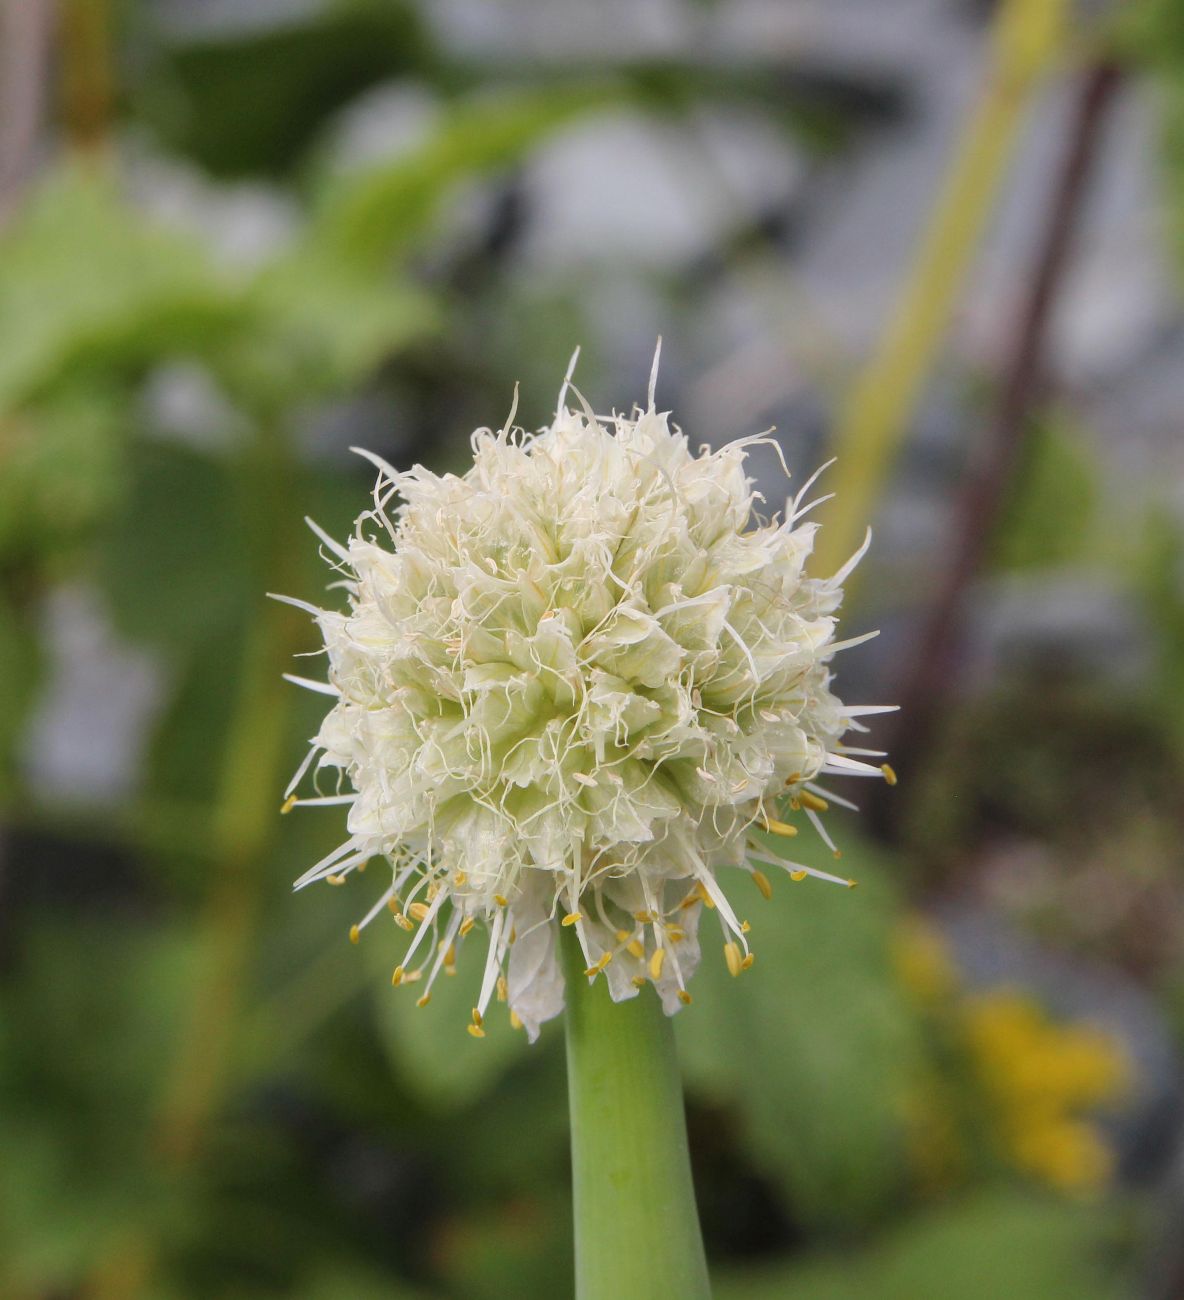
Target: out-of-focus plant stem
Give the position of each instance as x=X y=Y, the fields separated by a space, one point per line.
x=25 y=27
x=874 y=419
x=87 y=84
x=934 y=664
x=636 y=1224
x=242 y=825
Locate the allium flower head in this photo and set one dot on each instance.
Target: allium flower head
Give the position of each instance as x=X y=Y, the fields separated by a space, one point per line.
x=568 y=685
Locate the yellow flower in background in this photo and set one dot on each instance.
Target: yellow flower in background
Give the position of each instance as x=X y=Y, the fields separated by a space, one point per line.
x=1038 y=1080
x=1039 y=1076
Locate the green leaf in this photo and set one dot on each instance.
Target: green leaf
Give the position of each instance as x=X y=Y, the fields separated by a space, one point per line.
x=201 y=93
x=174 y=561
x=1048 y=520
x=367 y=217
x=86 y=281
x=997 y=1244
x=61 y=469
x=333 y=324
x=815 y=1046
x=429 y=1047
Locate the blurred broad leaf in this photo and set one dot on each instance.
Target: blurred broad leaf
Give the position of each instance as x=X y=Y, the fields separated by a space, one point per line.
x=61 y=468
x=1048 y=519
x=430 y=1049
x=93 y=1007
x=997 y=1245
x=814 y=1047
x=174 y=561
x=85 y=281
x=203 y=91
x=331 y=324
x=367 y=216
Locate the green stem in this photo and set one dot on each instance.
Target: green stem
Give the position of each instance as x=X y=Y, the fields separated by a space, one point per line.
x=636 y=1225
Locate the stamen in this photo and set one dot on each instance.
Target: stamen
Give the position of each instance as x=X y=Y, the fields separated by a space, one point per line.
x=889 y=774
x=732 y=957
x=571 y=918
x=762 y=883
x=656 y=963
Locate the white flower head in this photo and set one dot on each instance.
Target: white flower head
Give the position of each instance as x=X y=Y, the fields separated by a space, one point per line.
x=568 y=685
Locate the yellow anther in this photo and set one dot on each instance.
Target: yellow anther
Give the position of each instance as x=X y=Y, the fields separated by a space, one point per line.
x=798 y=875
x=744 y=927
x=466 y=925
x=762 y=883
x=513 y=935
x=501 y=900
x=571 y=918
x=362 y=866
x=478 y=1018
x=515 y=1020
x=634 y=949
x=732 y=957
x=432 y=890
x=622 y=935
x=656 y=963
x=354 y=934
x=460 y=879
x=812 y=801
x=889 y=774
x=393 y=904
x=418 y=911
x=644 y=918
x=708 y=901
x=675 y=933
x=852 y=884
x=684 y=997
x=605 y=958
x=692 y=898
x=450 y=956
x=291 y=801
x=412 y=976
x=591 y=971
x=503 y=989
x=748 y=960
x=402 y=922
x=335 y=880
x=837 y=854
x=796 y=804
x=397 y=977
x=639 y=981
x=423 y=1001
x=793 y=778
x=476 y=1031
x=779 y=828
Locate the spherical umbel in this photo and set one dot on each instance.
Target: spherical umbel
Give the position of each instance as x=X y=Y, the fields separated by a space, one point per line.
x=567 y=684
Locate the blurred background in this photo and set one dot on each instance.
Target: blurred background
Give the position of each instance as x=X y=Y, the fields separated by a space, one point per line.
x=938 y=239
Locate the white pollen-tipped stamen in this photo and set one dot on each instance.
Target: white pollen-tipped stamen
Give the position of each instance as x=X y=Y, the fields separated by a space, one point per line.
x=322 y=800
x=425 y=927
x=493 y=960
x=329 y=863
x=850 y=766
